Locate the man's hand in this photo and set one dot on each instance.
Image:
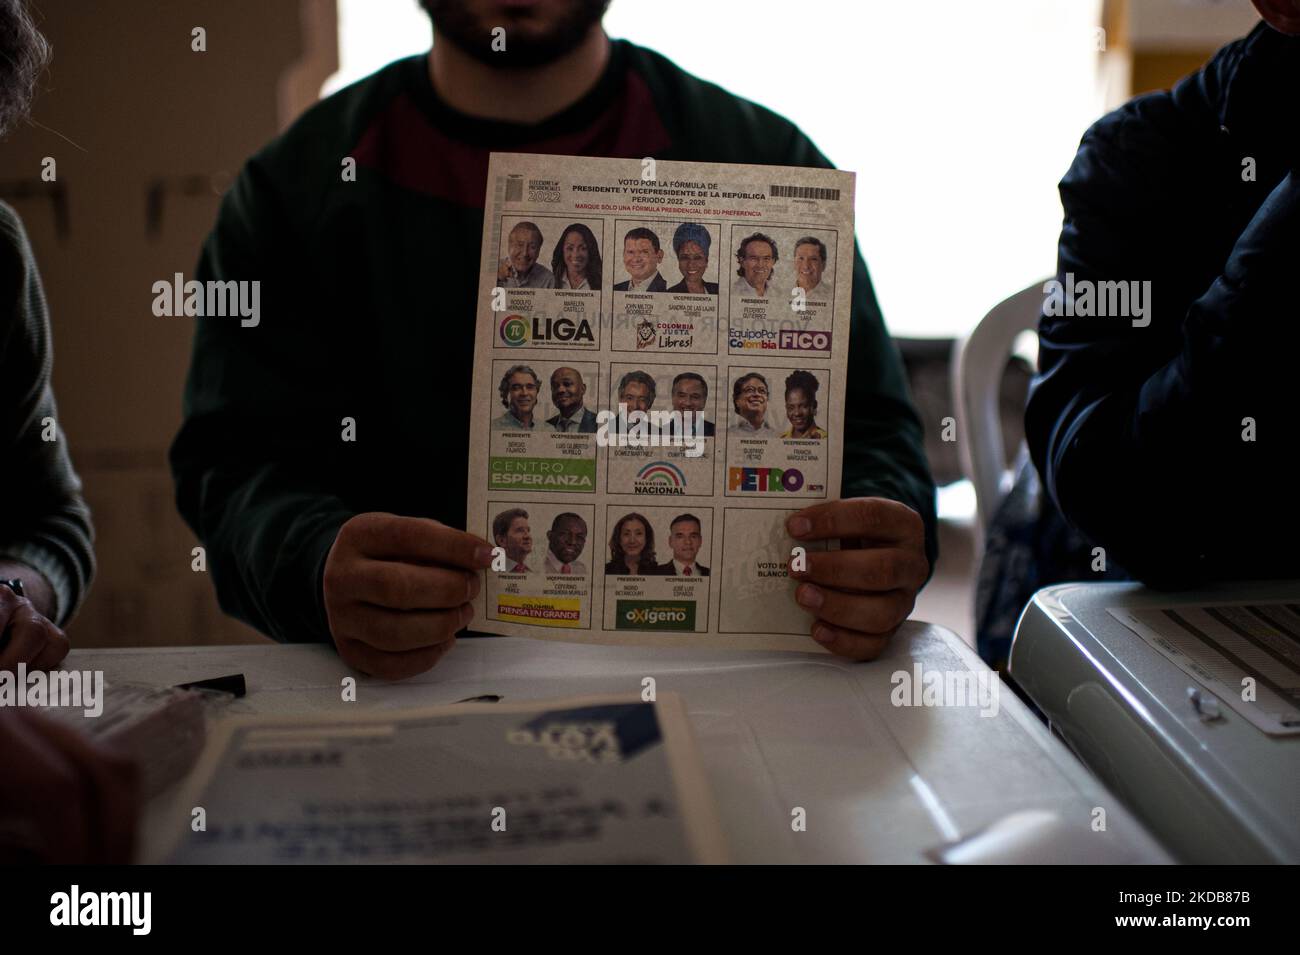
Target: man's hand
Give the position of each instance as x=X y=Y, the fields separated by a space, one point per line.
x=862 y=592
x=26 y=635
x=397 y=590
x=63 y=798
x=504 y=270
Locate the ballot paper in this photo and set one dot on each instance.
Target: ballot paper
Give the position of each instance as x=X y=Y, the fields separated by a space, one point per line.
x=1247 y=656
x=659 y=380
x=589 y=780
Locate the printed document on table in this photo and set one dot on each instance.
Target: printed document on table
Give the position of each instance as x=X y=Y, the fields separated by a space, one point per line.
x=659 y=381
x=590 y=780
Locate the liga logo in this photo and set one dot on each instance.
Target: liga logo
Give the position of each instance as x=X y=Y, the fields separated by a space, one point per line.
x=514 y=330
x=660 y=477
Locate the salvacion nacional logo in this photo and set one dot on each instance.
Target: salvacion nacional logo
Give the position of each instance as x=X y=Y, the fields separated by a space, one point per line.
x=514 y=330
x=660 y=477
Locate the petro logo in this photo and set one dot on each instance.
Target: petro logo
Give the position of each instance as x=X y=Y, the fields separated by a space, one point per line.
x=514 y=330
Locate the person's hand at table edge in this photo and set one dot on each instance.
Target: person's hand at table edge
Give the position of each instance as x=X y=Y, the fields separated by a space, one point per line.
x=397 y=591
x=27 y=634
x=860 y=594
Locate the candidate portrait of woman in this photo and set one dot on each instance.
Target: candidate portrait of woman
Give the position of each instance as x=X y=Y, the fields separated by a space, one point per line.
x=801 y=406
x=632 y=547
x=691 y=246
x=576 y=261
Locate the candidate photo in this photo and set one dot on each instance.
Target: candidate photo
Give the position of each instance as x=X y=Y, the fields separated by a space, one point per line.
x=756 y=260
x=632 y=548
x=685 y=540
x=749 y=396
x=518 y=390
x=511 y=532
x=576 y=262
x=690 y=392
x=691 y=243
x=566 y=541
x=520 y=268
x=801 y=406
x=810 y=268
x=642 y=256
x=568 y=394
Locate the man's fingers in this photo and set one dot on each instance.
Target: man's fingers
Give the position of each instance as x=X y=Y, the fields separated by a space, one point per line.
x=849 y=643
x=111 y=783
x=416 y=539
x=874 y=519
x=56 y=648
x=41 y=785
x=392 y=666
x=26 y=637
x=399 y=631
x=411 y=586
x=865 y=571
x=865 y=613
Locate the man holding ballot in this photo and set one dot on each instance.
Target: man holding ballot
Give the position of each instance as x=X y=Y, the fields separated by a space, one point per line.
x=320 y=460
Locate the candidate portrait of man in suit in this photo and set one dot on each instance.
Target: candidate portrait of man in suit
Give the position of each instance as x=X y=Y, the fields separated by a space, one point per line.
x=691 y=393
x=642 y=255
x=685 y=538
x=568 y=391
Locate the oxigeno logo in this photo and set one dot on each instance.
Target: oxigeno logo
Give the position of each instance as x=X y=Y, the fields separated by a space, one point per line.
x=643 y=616
x=660 y=477
x=655 y=615
x=514 y=330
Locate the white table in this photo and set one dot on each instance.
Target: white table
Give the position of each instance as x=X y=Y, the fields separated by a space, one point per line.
x=878 y=783
x=1213 y=792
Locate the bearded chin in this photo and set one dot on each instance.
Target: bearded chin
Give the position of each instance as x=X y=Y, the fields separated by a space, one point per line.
x=455 y=22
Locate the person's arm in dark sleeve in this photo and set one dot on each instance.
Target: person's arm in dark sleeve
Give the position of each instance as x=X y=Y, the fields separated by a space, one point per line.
x=256 y=462
x=884 y=450
x=44 y=522
x=1137 y=429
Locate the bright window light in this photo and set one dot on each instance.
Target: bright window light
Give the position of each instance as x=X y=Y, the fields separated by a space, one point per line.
x=959 y=118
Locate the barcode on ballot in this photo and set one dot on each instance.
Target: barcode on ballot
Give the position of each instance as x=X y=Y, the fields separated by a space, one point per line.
x=515 y=189
x=804 y=192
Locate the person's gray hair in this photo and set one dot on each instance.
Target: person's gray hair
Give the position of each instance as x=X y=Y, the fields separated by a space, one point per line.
x=504 y=387
x=24 y=53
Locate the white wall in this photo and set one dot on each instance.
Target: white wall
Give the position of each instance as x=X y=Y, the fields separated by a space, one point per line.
x=959 y=117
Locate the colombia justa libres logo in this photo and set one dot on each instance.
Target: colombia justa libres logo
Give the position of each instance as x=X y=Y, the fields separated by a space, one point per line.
x=514 y=330
x=660 y=477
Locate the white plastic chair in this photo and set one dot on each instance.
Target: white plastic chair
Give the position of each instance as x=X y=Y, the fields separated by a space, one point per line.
x=978 y=363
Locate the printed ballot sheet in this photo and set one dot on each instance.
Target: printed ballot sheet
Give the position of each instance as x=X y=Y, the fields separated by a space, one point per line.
x=1247 y=655
x=659 y=375
x=591 y=780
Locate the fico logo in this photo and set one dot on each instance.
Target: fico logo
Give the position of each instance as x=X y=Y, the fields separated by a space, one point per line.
x=804 y=341
x=514 y=330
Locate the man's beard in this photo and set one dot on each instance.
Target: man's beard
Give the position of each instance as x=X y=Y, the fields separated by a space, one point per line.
x=456 y=22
